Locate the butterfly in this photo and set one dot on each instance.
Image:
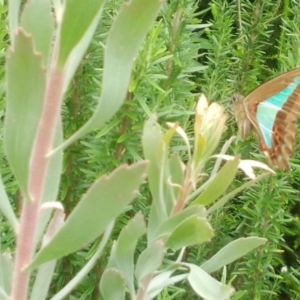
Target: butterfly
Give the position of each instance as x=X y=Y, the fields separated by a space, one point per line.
x=272 y=110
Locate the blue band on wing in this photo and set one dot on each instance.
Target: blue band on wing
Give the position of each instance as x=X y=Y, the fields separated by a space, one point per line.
x=267 y=110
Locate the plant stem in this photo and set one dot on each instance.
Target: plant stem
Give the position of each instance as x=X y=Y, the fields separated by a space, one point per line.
x=38 y=169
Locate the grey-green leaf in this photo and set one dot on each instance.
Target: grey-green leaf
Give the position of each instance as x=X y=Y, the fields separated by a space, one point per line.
x=161 y=281
x=42 y=281
x=123 y=42
x=219 y=184
x=206 y=286
x=156 y=152
x=6 y=272
x=13 y=18
x=176 y=168
x=26 y=82
x=77 y=18
x=103 y=202
x=7 y=209
x=112 y=285
x=193 y=230
x=166 y=228
x=232 y=252
x=45 y=272
x=221 y=202
x=43 y=33
x=51 y=186
x=149 y=260
x=125 y=248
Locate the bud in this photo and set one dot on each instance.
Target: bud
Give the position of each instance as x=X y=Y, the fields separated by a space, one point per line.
x=209 y=126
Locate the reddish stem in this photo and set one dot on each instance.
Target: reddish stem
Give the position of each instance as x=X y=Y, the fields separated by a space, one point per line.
x=186 y=186
x=38 y=169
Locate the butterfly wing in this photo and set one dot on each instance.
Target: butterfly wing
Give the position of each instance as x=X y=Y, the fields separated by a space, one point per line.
x=242 y=120
x=273 y=109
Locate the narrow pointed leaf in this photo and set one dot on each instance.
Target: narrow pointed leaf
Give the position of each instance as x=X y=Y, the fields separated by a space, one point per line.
x=155 y=151
x=45 y=272
x=52 y=181
x=74 y=282
x=6 y=272
x=112 y=258
x=54 y=170
x=6 y=208
x=206 y=286
x=125 y=248
x=161 y=281
x=104 y=201
x=123 y=42
x=221 y=202
x=78 y=52
x=232 y=252
x=176 y=168
x=42 y=281
x=77 y=18
x=219 y=184
x=149 y=260
x=13 y=18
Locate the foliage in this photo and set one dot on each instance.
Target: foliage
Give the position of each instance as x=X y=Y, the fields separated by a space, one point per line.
x=253 y=41
x=216 y=47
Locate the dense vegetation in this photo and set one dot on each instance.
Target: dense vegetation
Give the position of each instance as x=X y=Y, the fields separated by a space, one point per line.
x=215 y=47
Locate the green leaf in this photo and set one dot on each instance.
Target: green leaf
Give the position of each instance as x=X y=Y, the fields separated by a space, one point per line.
x=149 y=260
x=73 y=283
x=54 y=169
x=219 y=184
x=166 y=228
x=176 y=169
x=13 y=18
x=191 y=231
x=161 y=281
x=78 y=16
x=42 y=281
x=163 y=191
x=43 y=32
x=103 y=202
x=26 y=81
x=7 y=209
x=175 y=180
x=52 y=181
x=221 y=202
x=206 y=286
x=45 y=272
x=123 y=42
x=112 y=285
x=232 y=252
x=3 y=294
x=77 y=54
x=125 y=248
x=156 y=152
x=6 y=272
